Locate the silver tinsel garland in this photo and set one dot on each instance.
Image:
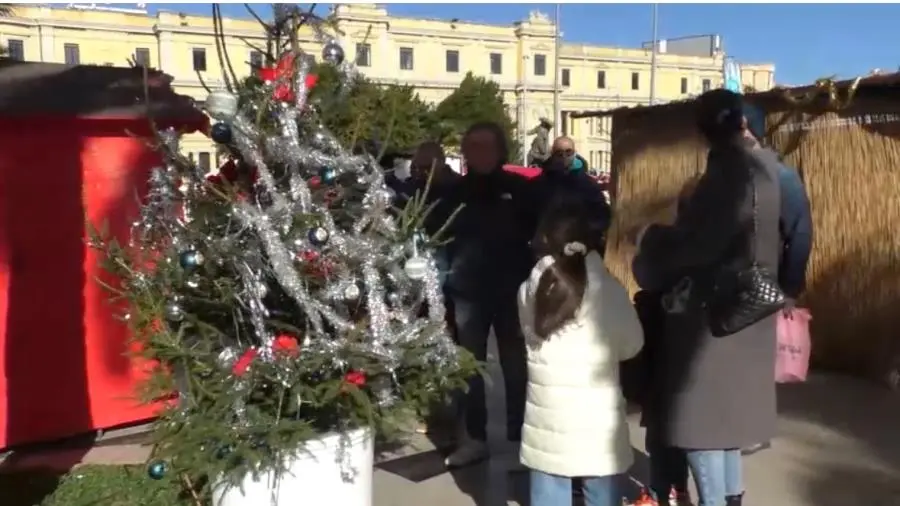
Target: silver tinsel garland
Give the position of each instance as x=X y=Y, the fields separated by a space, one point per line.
x=375 y=265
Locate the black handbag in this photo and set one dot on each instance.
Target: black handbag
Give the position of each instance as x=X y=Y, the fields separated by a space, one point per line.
x=742 y=297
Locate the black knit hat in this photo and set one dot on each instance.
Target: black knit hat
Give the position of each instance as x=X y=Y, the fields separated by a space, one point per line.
x=720 y=114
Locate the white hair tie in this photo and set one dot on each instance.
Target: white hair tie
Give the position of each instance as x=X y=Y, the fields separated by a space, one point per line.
x=574 y=248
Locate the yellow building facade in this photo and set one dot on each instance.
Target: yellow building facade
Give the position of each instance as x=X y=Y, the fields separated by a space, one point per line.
x=430 y=54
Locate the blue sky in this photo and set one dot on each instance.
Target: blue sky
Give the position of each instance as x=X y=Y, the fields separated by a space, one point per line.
x=805 y=41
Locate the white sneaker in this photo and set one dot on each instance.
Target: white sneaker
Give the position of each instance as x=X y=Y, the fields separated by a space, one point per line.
x=469 y=452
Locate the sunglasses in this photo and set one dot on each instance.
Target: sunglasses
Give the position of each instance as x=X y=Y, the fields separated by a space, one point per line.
x=563 y=152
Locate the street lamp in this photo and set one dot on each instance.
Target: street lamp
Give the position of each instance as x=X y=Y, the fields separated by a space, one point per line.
x=522 y=103
x=653 y=53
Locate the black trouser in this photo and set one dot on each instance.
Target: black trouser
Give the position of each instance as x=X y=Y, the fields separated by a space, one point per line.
x=474 y=318
x=668 y=467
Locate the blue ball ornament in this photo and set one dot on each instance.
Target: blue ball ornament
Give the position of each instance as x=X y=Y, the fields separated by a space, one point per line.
x=318 y=236
x=224 y=451
x=190 y=260
x=221 y=133
x=157 y=470
x=328 y=175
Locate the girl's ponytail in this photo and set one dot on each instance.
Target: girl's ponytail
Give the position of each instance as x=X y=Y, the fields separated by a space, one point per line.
x=560 y=290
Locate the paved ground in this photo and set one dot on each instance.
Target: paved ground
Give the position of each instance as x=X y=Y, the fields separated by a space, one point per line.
x=838 y=444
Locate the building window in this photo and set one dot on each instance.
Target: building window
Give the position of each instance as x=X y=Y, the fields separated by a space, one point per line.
x=199 y=55
x=204 y=161
x=15 y=49
x=142 y=57
x=363 y=55
x=706 y=85
x=684 y=83
x=496 y=63
x=256 y=60
x=601 y=79
x=565 y=77
x=452 y=60
x=540 y=65
x=635 y=81
x=406 y=58
x=72 y=54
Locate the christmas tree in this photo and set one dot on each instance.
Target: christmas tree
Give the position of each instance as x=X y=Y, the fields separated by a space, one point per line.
x=283 y=297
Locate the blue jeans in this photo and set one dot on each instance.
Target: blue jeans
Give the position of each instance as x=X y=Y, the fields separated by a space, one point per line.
x=717 y=474
x=551 y=490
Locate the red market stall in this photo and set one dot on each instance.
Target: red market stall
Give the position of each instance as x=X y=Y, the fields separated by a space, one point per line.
x=73 y=147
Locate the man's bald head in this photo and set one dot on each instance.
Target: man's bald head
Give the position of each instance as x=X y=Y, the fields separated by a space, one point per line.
x=563 y=144
x=563 y=152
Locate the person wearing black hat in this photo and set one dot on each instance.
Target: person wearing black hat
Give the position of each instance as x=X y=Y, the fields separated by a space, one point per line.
x=718 y=393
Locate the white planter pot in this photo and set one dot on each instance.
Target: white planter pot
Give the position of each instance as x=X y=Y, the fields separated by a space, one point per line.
x=334 y=469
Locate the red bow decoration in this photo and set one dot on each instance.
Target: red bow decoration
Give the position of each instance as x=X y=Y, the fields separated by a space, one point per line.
x=230 y=172
x=281 y=75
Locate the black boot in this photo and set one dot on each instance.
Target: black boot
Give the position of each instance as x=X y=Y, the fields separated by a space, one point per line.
x=734 y=500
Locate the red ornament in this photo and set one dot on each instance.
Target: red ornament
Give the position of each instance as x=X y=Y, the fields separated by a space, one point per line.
x=215 y=179
x=242 y=365
x=355 y=378
x=286 y=345
x=331 y=196
x=281 y=75
x=314 y=182
x=309 y=255
x=230 y=172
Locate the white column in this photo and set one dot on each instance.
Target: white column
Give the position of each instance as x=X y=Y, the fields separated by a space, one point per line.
x=166 y=56
x=47 y=39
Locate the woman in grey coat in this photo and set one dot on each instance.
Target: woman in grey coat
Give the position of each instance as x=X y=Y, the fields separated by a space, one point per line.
x=716 y=395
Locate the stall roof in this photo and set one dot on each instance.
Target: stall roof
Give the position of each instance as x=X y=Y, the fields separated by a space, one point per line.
x=28 y=88
x=821 y=94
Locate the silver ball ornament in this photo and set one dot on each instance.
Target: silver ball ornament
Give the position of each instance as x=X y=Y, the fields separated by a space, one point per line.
x=227 y=357
x=395 y=299
x=333 y=53
x=352 y=292
x=221 y=105
x=416 y=268
x=174 y=313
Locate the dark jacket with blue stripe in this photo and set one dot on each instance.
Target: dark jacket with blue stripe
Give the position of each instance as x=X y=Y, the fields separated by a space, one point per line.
x=796 y=232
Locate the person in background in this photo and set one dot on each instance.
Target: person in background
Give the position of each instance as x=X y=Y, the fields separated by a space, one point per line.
x=489 y=259
x=796 y=230
x=719 y=393
x=668 y=464
x=578 y=324
x=540 y=144
x=432 y=178
x=430 y=160
x=565 y=176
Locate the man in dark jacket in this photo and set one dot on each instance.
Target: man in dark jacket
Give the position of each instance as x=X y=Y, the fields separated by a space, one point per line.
x=796 y=235
x=796 y=217
x=565 y=176
x=490 y=257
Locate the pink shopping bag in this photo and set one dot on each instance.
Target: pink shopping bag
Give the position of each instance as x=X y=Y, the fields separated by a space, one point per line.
x=794 y=346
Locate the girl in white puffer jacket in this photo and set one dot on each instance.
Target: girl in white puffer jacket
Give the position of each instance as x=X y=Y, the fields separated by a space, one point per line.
x=578 y=323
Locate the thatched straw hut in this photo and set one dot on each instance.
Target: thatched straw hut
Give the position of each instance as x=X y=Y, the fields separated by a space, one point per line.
x=844 y=138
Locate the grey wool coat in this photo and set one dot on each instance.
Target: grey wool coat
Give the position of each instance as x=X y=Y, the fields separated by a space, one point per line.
x=715 y=393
